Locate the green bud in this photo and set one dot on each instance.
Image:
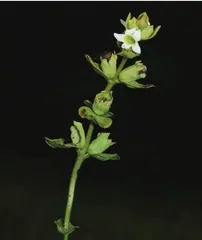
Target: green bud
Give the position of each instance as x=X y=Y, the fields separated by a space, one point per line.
x=127 y=20
x=149 y=32
x=132 y=23
x=129 y=23
x=142 y=21
x=102 y=121
x=100 y=144
x=109 y=66
x=102 y=102
x=131 y=74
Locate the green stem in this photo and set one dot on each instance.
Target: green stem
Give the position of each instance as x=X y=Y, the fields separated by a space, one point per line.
x=72 y=185
x=80 y=159
x=122 y=64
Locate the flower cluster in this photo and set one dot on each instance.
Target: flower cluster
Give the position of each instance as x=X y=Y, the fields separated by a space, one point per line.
x=137 y=29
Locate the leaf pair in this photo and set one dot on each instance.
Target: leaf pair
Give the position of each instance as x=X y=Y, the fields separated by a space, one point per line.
x=77 y=136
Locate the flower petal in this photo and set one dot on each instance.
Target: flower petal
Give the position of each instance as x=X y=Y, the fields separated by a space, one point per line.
x=137 y=35
x=119 y=37
x=136 y=48
x=130 y=31
x=126 y=46
x=123 y=22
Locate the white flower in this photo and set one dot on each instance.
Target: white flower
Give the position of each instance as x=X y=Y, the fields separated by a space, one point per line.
x=130 y=39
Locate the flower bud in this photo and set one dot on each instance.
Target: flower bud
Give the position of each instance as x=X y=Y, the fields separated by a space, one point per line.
x=108 y=66
x=102 y=102
x=131 y=74
x=143 y=21
x=102 y=121
x=149 y=32
x=100 y=144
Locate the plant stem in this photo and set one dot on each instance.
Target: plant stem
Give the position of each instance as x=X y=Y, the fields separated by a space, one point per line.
x=122 y=64
x=80 y=159
x=72 y=185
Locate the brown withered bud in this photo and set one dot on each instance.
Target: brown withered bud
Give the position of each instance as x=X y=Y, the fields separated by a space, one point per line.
x=105 y=55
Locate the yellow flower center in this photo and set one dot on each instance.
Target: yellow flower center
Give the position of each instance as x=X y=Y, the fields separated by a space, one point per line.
x=128 y=39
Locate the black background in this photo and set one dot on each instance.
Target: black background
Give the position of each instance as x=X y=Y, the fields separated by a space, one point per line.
x=45 y=78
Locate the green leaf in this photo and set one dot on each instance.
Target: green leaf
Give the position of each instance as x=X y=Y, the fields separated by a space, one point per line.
x=128 y=19
x=61 y=229
x=88 y=103
x=78 y=134
x=100 y=144
x=58 y=143
x=128 y=54
x=103 y=122
x=102 y=102
x=134 y=84
x=108 y=114
x=95 y=65
x=106 y=156
x=155 y=32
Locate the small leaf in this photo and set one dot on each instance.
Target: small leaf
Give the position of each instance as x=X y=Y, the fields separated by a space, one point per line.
x=135 y=84
x=58 y=143
x=88 y=103
x=103 y=122
x=106 y=156
x=95 y=65
x=108 y=114
x=155 y=32
x=74 y=135
x=61 y=229
x=78 y=134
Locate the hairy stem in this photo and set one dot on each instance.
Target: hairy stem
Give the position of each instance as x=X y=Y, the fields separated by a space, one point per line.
x=80 y=159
